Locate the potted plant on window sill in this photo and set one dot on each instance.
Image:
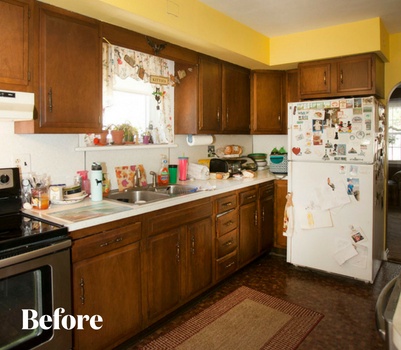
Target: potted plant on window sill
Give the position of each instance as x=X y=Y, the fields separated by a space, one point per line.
x=123 y=133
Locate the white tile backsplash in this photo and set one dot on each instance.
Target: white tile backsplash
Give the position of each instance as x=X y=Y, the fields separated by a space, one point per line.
x=55 y=154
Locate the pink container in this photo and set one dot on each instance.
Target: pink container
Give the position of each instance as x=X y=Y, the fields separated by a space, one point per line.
x=182 y=168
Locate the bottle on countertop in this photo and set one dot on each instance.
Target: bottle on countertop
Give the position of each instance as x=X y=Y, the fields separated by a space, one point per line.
x=163 y=176
x=96 y=182
x=85 y=182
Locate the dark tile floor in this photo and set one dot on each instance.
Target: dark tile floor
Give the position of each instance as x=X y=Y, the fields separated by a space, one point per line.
x=348 y=305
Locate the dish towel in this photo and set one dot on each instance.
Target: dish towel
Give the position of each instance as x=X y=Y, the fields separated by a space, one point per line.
x=288 y=225
x=198 y=172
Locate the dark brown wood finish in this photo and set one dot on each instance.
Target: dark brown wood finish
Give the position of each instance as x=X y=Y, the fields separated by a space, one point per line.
x=268 y=102
x=280 y=193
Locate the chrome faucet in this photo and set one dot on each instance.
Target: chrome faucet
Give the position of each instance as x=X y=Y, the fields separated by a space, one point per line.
x=154 y=177
x=137 y=178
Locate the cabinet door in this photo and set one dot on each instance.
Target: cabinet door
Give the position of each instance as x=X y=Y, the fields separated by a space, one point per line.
x=14 y=44
x=210 y=112
x=354 y=75
x=248 y=233
x=165 y=254
x=315 y=79
x=70 y=72
x=108 y=285
x=266 y=217
x=267 y=102
x=280 y=192
x=199 y=273
x=236 y=99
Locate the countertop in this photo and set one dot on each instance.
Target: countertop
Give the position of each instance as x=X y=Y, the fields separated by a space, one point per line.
x=87 y=213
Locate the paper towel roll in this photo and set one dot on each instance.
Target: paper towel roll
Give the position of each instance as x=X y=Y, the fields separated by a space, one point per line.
x=199 y=140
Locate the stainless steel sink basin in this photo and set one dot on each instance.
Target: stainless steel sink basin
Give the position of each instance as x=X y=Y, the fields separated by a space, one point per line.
x=138 y=196
x=176 y=190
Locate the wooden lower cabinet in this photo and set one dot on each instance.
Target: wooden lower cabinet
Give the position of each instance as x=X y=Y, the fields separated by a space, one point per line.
x=266 y=217
x=248 y=226
x=280 y=193
x=178 y=259
x=108 y=285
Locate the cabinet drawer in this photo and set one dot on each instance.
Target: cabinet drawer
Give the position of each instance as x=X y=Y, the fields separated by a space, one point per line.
x=227 y=243
x=227 y=265
x=227 y=222
x=248 y=196
x=226 y=203
x=105 y=241
x=266 y=191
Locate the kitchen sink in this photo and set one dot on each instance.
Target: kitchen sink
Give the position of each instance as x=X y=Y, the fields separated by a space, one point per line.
x=138 y=196
x=176 y=190
x=151 y=194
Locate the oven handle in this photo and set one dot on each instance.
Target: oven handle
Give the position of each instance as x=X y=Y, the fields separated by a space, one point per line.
x=13 y=260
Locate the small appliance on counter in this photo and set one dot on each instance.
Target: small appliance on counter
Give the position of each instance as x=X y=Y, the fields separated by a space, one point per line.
x=232 y=165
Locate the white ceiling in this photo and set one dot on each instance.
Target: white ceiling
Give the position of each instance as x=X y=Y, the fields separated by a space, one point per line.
x=281 y=17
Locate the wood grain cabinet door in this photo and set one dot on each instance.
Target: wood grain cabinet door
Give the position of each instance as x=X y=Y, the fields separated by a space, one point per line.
x=14 y=44
x=70 y=72
x=108 y=285
x=354 y=74
x=315 y=78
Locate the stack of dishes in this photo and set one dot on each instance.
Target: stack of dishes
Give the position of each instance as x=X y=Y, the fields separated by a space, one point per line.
x=260 y=159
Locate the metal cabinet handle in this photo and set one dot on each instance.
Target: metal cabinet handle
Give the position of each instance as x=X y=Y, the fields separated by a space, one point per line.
x=228 y=243
x=177 y=256
x=50 y=96
x=263 y=214
x=256 y=218
x=229 y=265
x=324 y=77
x=228 y=223
x=227 y=116
x=341 y=77
x=193 y=244
x=218 y=114
x=228 y=204
x=105 y=244
x=251 y=197
x=82 y=285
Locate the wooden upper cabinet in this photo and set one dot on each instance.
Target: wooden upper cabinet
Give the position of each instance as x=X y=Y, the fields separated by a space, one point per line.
x=360 y=75
x=236 y=99
x=69 y=98
x=268 y=102
x=210 y=94
x=15 y=48
x=315 y=78
x=212 y=98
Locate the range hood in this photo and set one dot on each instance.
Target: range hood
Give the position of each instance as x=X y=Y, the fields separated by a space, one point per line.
x=15 y=105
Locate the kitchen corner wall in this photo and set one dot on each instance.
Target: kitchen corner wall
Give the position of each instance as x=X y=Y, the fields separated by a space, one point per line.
x=55 y=154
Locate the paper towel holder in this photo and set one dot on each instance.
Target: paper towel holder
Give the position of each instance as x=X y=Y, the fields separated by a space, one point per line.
x=199 y=140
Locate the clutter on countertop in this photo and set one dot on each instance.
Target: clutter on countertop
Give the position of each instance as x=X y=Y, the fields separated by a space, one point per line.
x=126 y=176
x=260 y=159
x=198 y=171
x=230 y=151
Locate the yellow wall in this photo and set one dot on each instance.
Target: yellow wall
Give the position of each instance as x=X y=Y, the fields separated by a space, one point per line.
x=194 y=25
x=393 y=67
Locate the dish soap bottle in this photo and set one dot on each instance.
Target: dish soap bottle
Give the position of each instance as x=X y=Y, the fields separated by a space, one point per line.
x=163 y=173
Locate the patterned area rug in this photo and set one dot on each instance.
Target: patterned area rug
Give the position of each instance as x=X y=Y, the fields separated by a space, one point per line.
x=245 y=319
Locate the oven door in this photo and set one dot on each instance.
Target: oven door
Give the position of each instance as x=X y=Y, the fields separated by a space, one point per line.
x=41 y=281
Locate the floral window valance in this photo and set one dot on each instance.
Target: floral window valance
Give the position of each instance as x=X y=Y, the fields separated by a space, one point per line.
x=159 y=72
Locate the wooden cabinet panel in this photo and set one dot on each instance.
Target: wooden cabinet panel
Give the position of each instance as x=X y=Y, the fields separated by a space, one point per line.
x=16 y=37
x=227 y=265
x=108 y=285
x=210 y=94
x=266 y=217
x=226 y=203
x=360 y=75
x=315 y=78
x=227 y=243
x=226 y=222
x=248 y=232
x=198 y=273
x=280 y=193
x=292 y=86
x=236 y=99
x=165 y=254
x=268 y=107
x=70 y=74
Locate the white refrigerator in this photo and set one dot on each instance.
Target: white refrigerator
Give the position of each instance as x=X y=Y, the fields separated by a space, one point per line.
x=334 y=217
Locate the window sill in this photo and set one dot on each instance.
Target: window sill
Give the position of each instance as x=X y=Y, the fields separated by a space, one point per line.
x=124 y=147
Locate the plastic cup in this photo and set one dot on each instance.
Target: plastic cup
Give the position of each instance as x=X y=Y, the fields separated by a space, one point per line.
x=182 y=168
x=172 y=173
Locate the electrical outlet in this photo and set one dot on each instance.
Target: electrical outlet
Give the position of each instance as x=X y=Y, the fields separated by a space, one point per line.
x=23 y=161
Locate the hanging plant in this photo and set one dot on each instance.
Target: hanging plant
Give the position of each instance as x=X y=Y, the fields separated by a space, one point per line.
x=158 y=95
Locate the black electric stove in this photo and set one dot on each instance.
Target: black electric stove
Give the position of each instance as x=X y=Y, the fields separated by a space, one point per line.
x=19 y=232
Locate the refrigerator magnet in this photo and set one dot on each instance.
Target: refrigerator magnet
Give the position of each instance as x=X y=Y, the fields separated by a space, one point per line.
x=357 y=235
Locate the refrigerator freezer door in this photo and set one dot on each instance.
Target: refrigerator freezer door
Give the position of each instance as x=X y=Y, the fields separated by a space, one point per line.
x=338 y=225
x=333 y=130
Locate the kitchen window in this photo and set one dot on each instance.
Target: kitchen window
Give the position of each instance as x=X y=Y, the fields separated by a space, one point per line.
x=138 y=89
x=394 y=130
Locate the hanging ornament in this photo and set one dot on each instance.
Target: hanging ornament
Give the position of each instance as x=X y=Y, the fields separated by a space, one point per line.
x=158 y=97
